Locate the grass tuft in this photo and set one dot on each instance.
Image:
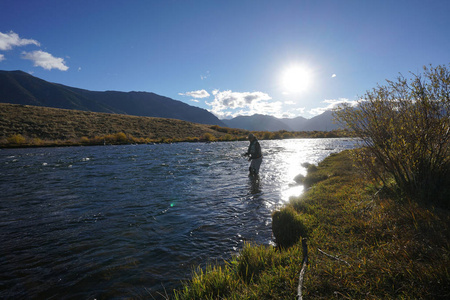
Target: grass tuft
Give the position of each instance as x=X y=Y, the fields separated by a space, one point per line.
x=288 y=227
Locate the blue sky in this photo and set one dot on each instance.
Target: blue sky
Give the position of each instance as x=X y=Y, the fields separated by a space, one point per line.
x=230 y=57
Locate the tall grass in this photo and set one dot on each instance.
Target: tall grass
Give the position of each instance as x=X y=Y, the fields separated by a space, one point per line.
x=259 y=272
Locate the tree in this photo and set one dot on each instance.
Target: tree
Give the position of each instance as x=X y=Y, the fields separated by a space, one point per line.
x=405 y=128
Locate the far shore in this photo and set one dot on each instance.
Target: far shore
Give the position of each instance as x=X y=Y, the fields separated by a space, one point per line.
x=35 y=126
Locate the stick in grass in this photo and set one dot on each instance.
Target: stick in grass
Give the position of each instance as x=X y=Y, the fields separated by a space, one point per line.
x=334 y=257
x=303 y=270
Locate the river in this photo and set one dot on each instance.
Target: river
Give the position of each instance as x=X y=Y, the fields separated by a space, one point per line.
x=134 y=220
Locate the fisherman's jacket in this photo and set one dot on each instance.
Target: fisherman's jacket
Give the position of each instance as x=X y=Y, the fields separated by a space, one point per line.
x=254 y=149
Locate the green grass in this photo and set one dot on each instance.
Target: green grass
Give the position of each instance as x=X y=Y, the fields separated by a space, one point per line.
x=362 y=244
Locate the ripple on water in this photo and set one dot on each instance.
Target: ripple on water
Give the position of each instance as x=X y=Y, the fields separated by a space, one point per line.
x=120 y=221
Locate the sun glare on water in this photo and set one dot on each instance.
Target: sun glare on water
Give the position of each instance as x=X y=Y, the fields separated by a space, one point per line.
x=296 y=79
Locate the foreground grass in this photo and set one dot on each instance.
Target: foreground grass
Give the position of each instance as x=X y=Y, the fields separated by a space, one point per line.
x=363 y=244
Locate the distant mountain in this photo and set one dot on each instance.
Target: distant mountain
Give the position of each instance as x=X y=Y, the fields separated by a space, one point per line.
x=323 y=122
x=17 y=87
x=257 y=123
x=296 y=123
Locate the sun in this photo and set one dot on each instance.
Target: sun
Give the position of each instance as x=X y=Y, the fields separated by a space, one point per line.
x=296 y=79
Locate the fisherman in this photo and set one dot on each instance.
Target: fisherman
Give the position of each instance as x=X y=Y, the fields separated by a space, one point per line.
x=255 y=155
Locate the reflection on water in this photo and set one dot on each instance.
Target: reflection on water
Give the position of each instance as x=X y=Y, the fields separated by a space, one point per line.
x=126 y=221
x=291 y=191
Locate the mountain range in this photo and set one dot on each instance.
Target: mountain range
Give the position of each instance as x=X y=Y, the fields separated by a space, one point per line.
x=323 y=122
x=18 y=87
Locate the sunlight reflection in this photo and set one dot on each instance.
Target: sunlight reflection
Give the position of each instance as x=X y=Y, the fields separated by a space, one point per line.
x=293 y=167
x=293 y=191
x=287 y=163
x=284 y=160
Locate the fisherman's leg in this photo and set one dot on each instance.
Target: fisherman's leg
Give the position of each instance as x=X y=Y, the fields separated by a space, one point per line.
x=255 y=165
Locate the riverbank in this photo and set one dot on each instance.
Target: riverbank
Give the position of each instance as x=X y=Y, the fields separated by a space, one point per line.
x=35 y=126
x=362 y=244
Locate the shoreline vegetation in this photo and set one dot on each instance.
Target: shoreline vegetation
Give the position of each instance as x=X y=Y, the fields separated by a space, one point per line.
x=363 y=242
x=374 y=222
x=36 y=126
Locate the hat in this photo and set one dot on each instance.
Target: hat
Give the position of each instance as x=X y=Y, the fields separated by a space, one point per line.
x=251 y=136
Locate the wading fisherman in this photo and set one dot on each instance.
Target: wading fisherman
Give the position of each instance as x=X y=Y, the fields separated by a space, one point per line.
x=255 y=155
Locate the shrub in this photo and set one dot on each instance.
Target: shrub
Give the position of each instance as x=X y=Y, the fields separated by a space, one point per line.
x=406 y=130
x=208 y=137
x=287 y=135
x=84 y=140
x=287 y=227
x=16 y=139
x=37 y=142
x=120 y=137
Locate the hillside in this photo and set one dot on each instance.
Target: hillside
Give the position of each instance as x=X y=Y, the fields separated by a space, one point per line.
x=52 y=124
x=17 y=87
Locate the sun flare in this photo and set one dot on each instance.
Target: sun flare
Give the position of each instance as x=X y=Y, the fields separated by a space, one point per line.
x=296 y=79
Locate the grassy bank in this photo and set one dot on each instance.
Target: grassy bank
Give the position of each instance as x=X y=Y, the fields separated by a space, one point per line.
x=34 y=126
x=42 y=126
x=362 y=244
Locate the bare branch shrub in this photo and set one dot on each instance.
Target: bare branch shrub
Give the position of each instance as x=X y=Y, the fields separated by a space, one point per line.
x=405 y=128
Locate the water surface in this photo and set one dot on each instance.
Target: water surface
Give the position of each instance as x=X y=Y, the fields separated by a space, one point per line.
x=131 y=221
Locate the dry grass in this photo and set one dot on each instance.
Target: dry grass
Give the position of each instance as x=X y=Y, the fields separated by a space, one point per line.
x=24 y=126
x=31 y=125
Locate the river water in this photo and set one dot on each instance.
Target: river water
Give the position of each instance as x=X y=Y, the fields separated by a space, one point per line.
x=133 y=221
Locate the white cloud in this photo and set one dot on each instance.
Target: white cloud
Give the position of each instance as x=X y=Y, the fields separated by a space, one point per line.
x=291 y=113
x=195 y=100
x=332 y=104
x=230 y=104
x=12 y=39
x=300 y=110
x=334 y=75
x=45 y=60
x=196 y=94
x=317 y=111
x=2 y=57
x=229 y=99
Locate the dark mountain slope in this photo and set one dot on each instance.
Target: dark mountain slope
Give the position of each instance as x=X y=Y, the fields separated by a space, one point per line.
x=18 y=87
x=150 y=105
